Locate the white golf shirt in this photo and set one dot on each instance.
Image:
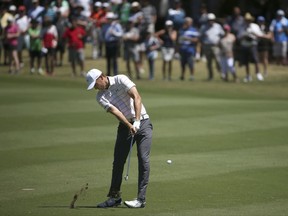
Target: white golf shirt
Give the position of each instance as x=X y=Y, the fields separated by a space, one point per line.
x=117 y=96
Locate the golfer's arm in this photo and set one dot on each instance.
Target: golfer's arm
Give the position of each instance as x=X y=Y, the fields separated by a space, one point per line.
x=133 y=93
x=119 y=115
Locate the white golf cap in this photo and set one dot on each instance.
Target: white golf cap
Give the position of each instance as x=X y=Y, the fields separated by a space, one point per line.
x=105 y=5
x=211 y=16
x=168 y=23
x=91 y=77
x=12 y=8
x=110 y=15
x=98 y=4
x=280 y=12
x=135 y=4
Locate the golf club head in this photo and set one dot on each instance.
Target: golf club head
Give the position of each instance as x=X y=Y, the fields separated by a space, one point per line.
x=126 y=178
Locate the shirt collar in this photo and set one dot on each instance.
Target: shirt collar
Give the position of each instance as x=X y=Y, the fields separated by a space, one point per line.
x=111 y=81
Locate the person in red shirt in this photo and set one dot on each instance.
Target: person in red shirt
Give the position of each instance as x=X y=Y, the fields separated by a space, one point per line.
x=50 y=39
x=74 y=36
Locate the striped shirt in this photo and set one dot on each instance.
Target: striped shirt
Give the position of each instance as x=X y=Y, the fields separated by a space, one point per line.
x=117 y=96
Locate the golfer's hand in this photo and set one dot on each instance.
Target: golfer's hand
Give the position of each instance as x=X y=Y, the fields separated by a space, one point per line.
x=136 y=125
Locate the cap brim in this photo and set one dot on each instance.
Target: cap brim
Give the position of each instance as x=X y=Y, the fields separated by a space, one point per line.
x=91 y=86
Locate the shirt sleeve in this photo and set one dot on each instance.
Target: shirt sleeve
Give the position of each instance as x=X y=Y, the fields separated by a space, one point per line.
x=126 y=82
x=103 y=101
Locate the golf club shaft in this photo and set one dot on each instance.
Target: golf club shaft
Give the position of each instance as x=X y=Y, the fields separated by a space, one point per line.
x=129 y=156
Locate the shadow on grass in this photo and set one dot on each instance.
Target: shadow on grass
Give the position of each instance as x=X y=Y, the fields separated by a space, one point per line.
x=80 y=207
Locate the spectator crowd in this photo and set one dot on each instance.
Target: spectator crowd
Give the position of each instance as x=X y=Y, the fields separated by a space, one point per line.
x=122 y=28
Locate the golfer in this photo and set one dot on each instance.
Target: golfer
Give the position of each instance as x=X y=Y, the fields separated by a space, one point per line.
x=118 y=95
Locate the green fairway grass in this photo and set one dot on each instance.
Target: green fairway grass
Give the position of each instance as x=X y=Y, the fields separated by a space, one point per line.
x=228 y=143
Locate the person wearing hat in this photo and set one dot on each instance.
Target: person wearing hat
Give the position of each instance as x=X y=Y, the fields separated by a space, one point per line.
x=264 y=44
x=210 y=35
x=137 y=17
x=119 y=96
x=23 y=23
x=6 y=14
x=227 y=56
x=279 y=31
x=249 y=37
x=35 y=47
x=49 y=36
x=96 y=15
x=167 y=37
x=11 y=33
x=152 y=44
x=112 y=36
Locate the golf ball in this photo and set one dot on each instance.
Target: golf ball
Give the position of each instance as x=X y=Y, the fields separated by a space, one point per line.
x=169 y=161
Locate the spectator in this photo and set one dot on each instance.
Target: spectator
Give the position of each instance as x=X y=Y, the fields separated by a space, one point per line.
x=203 y=17
x=49 y=12
x=96 y=28
x=124 y=12
x=11 y=33
x=248 y=40
x=130 y=38
x=35 y=47
x=152 y=44
x=177 y=15
x=279 y=30
x=62 y=7
x=264 y=44
x=227 y=59
x=61 y=24
x=188 y=38
x=137 y=17
x=37 y=11
x=113 y=34
x=167 y=37
x=50 y=39
x=87 y=6
x=23 y=23
x=103 y=23
x=7 y=15
x=149 y=15
x=74 y=36
x=236 y=22
x=211 y=34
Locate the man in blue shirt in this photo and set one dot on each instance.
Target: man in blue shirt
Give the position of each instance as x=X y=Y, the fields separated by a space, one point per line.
x=188 y=38
x=112 y=35
x=279 y=30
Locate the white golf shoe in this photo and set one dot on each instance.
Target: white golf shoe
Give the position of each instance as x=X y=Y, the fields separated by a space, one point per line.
x=260 y=77
x=136 y=203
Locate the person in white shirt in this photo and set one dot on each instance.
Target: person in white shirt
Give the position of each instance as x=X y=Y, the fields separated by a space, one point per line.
x=118 y=95
x=248 y=37
x=23 y=22
x=210 y=35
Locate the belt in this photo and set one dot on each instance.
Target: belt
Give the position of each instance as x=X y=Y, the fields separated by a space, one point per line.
x=142 y=117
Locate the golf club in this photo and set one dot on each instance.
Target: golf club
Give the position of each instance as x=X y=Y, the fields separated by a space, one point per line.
x=129 y=156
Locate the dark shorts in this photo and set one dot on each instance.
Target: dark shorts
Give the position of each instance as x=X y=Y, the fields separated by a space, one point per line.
x=12 y=47
x=35 y=54
x=249 y=55
x=186 y=58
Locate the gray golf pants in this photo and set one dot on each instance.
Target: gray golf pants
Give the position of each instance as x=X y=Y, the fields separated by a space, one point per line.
x=143 y=139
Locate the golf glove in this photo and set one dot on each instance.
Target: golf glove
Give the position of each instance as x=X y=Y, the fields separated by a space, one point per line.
x=136 y=124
